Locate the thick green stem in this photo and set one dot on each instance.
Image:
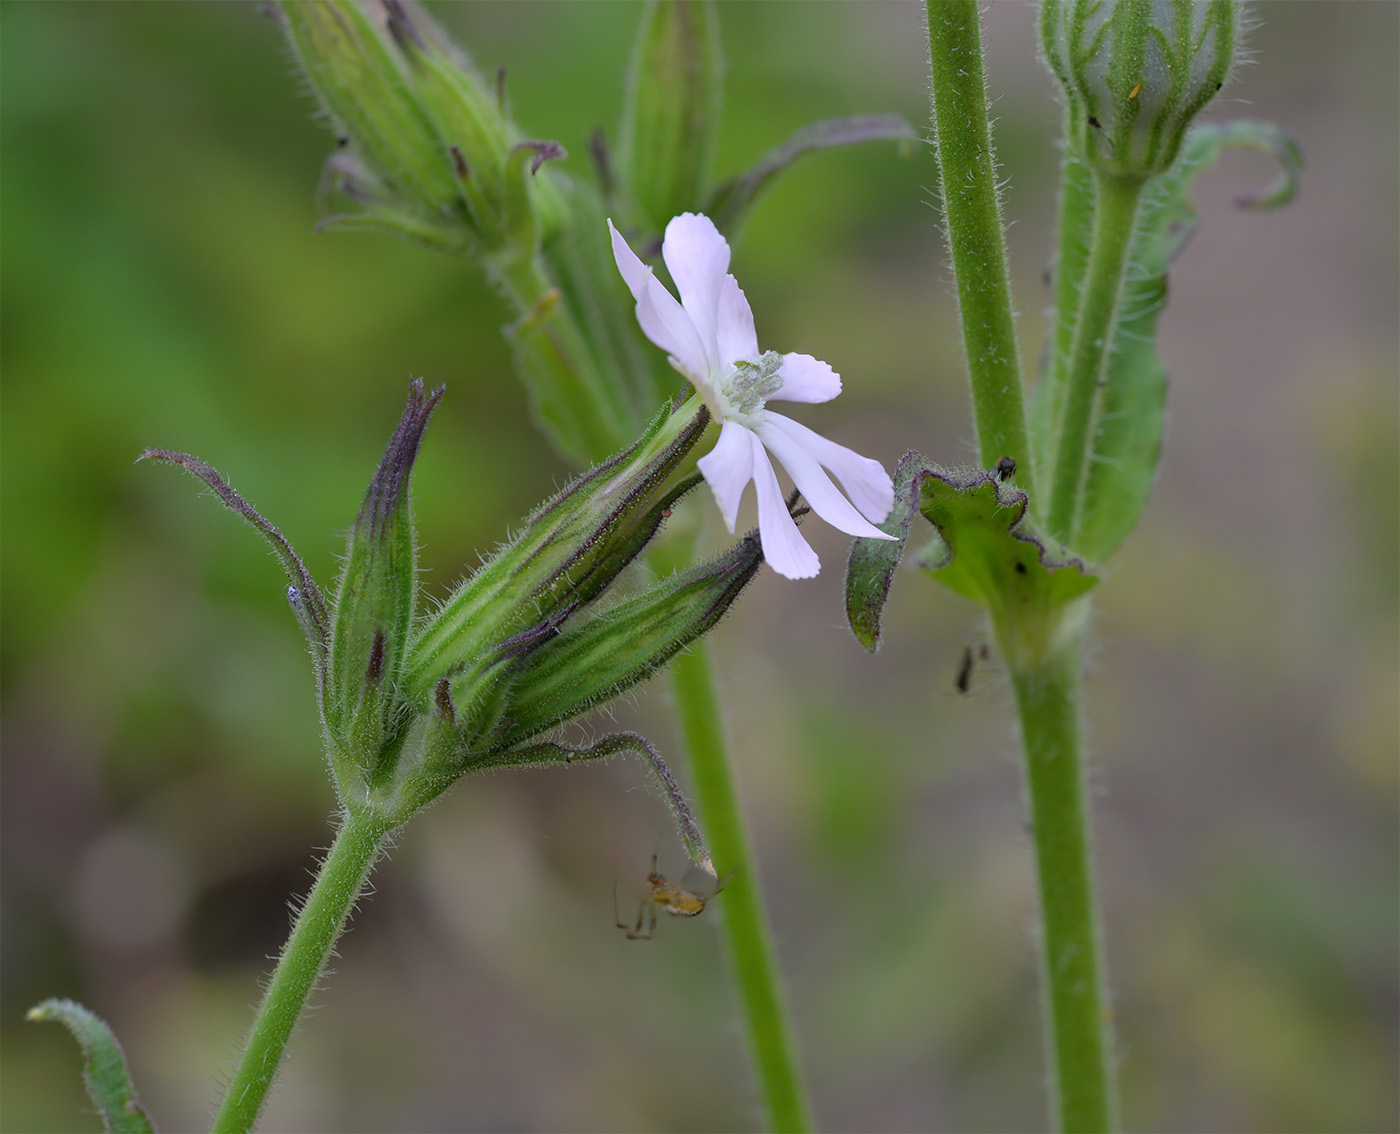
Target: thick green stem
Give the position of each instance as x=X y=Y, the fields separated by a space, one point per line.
x=1115 y=218
x=745 y=926
x=299 y=970
x=1078 y=1020
x=967 y=165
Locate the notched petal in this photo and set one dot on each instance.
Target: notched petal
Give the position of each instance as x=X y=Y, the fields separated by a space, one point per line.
x=806 y=379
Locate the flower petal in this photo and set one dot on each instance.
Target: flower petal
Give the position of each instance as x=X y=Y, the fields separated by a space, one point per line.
x=697 y=257
x=811 y=481
x=634 y=272
x=734 y=333
x=806 y=379
x=865 y=480
x=664 y=321
x=783 y=546
x=728 y=468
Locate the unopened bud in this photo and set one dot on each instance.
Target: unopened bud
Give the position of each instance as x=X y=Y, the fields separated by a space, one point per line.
x=429 y=152
x=568 y=551
x=615 y=650
x=1135 y=73
x=374 y=605
x=671 y=116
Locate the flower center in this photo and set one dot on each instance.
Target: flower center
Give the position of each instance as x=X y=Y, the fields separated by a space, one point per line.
x=749 y=381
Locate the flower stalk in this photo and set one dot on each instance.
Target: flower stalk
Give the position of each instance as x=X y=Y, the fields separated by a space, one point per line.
x=1115 y=218
x=1047 y=683
x=972 y=211
x=742 y=914
x=300 y=968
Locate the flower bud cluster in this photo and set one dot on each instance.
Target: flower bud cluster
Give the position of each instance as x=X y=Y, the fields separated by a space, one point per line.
x=426 y=147
x=520 y=647
x=410 y=704
x=1135 y=73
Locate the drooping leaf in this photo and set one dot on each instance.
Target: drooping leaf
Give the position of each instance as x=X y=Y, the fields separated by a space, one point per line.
x=303 y=595
x=731 y=200
x=983 y=547
x=104 y=1069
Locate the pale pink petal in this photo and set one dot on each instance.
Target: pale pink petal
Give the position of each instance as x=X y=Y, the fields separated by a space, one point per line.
x=728 y=468
x=814 y=484
x=697 y=257
x=865 y=480
x=664 y=321
x=783 y=546
x=806 y=379
x=634 y=272
x=734 y=333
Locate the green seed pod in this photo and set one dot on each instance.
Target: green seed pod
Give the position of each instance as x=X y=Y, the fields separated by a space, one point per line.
x=1135 y=73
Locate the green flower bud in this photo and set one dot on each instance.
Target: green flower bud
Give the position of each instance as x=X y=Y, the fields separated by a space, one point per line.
x=427 y=149
x=374 y=605
x=1135 y=73
x=374 y=108
x=671 y=116
x=626 y=644
x=567 y=552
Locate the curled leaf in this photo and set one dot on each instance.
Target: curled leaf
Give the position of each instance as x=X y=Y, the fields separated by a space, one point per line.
x=731 y=200
x=105 y=1072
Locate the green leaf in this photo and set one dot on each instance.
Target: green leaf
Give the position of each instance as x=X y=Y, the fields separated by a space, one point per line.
x=731 y=201
x=104 y=1072
x=1128 y=436
x=983 y=548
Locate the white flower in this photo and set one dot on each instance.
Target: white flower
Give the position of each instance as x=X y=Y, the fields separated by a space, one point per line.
x=710 y=338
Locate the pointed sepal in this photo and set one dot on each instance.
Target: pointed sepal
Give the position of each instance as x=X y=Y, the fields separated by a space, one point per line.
x=303 y=595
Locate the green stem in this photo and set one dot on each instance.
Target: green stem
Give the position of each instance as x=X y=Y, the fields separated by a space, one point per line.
x=1078 y=1023
x=585 y=414
x=299 y=970
x=1115 y=219
x=1076 y=222
x=745 y=926
x=967 y=165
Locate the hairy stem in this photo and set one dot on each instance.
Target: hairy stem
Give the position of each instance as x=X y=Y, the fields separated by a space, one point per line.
x=1078 y=1020
x=299 y=969
x=745 y=924
x=1115 y=218
x=967 y=165
x=1076 y=222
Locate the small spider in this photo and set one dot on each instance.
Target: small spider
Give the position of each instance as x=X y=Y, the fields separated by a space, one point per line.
x=664 y=894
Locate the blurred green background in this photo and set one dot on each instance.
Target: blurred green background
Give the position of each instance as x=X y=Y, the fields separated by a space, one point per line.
x=163 y=788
